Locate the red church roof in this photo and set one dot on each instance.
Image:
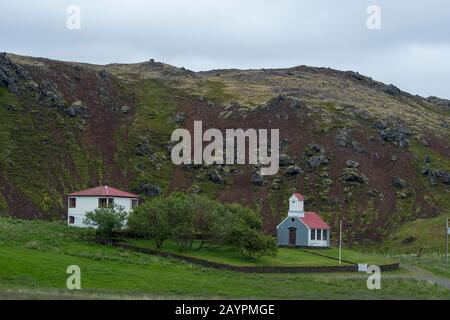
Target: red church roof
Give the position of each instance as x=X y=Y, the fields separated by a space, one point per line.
x=104 y=191
x=299 y=196
x=313 y=221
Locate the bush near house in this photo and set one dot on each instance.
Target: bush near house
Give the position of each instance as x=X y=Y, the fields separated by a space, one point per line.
x=109 y=220
x=196 y=222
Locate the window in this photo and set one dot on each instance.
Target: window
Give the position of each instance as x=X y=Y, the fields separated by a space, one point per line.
x=325 y=235
x=72 y=202
x=71 y=219
x=134 y=203
x=313 y=234
x=319 y=234
x=105 y=202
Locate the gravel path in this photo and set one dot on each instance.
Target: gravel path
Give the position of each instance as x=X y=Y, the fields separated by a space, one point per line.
x=424 y=275
x=415 y=273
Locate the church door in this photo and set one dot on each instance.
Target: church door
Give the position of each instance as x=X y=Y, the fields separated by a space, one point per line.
x=292 y=236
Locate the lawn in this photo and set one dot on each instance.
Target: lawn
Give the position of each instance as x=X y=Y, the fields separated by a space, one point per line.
x=34 y=256
x=228 y=255
x=356 y=256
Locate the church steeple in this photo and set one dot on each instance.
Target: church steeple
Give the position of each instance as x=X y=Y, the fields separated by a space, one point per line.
x=296 y=205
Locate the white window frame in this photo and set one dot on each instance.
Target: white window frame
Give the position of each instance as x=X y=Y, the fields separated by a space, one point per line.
x=109 y=201
x=70 y=200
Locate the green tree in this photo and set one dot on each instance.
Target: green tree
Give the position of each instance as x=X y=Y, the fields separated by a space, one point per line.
x=243 y=231
x=197 y=219
x=151 y=220
x=236 y=212
x=251 y=243
x=206 y=221
x=109 y=220
x=181 y=219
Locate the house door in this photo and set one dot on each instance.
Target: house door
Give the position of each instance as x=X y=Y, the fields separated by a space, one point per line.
x=292 y=236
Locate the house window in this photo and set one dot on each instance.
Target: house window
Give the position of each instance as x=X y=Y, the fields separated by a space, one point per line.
x=319 y=234
x=313 y=234
x=71 y=219
x=72 y=202
x=105 y=202
x=134 y=203
x=325 y=235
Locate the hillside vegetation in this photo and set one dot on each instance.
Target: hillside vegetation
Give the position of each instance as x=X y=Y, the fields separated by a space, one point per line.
x=358 y=149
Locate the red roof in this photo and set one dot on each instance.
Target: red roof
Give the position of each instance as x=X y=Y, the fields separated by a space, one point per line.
x=299 y=196
x=103 y=191
x=313 y=221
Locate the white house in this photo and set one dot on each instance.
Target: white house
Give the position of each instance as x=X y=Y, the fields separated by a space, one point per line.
x=81 y=202
x=302 y=229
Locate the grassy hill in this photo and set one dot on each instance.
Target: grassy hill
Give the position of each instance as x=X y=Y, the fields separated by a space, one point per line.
x=67 y=126
x=34 y=256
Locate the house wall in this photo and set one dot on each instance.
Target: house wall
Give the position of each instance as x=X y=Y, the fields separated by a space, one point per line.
x=283 y=232
x=86 y=204
x=318 y=243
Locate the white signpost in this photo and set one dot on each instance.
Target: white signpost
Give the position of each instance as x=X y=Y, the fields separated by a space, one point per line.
x=362 y=267
x=446 y=252
x=340 y=242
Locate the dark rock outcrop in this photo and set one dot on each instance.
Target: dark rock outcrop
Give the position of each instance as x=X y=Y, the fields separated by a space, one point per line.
x=180 y=117
x=77 y=109
x=393 y=133
x=352 y=164
x=315 y=156
x=215 y=177
x=293 y=171
x=316 y=161
x=49 y=95
x=437 y=175
x=144 y=148
x=258 y=179
x=392 y=90
x=124 y=109
x=11 y=74
x=351 y=175
x=344 y=140
x=375 y=194
x=285 y=160
x=149 y=189
x=399 y=183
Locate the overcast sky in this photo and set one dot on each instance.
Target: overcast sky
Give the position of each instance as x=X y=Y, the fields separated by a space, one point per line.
x=411 y=50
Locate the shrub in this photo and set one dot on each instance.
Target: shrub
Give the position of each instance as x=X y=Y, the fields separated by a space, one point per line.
x=151 y=221
x=109 y=220
x=253 y=244
x=186 y=218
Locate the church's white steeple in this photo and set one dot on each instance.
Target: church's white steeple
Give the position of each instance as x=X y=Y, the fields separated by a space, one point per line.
x=296 y=205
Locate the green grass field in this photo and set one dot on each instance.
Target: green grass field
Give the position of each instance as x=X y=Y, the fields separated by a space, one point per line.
x=34 y=256
x=285 y=256
x=228 y=255
x=425 y=234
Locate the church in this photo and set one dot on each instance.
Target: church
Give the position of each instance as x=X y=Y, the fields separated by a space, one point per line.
x=302 y=229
